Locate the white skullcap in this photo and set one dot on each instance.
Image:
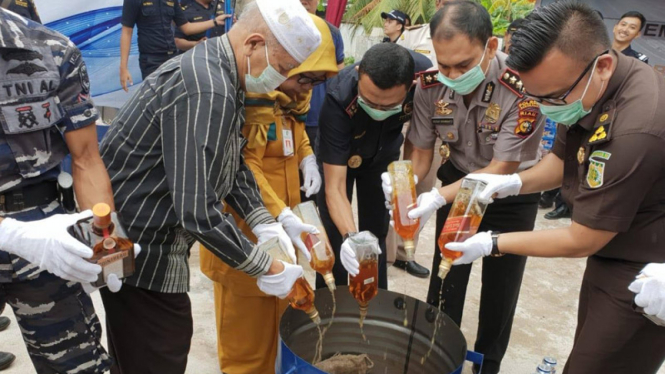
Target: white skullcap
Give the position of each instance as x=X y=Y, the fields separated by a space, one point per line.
x=292 y=26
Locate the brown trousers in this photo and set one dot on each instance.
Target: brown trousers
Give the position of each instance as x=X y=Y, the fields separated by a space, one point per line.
x=611 y=336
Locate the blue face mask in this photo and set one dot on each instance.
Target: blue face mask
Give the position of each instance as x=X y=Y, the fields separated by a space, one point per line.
x=467 y=82
x=377 y=114
x=572 y=113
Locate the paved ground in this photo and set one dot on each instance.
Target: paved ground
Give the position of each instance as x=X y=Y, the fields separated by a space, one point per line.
x=544 y=324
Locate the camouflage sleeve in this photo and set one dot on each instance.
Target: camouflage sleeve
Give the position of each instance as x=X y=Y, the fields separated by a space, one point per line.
x=74 y=91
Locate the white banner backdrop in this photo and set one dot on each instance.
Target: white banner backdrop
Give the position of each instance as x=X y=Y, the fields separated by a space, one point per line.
x=94 y=26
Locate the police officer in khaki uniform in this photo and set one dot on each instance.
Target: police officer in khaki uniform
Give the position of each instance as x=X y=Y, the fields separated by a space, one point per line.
x=608 y=159
x=477 y=107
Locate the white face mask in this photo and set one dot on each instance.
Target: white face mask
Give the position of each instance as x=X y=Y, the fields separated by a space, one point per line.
x=267 y=82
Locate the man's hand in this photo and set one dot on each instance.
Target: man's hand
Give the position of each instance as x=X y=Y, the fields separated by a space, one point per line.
x=280 y=284
x=498 y=186
x=47 y=243
x=312 y=178
x=221 y=19
x=125 y=77
x=650 y=289
x=294 y=227
x=477 y=246
x=428 y=203
x=267 y=231
x=113 y=283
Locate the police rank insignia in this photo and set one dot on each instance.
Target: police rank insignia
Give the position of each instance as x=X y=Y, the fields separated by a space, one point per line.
x=489 y=92
x=352 y=108
x=442 y=108
x=603 y=126
x=429 y=79
x=527 y=118
x=355 y=161
x=595 y=175
x=512 y=81
x=581 y=154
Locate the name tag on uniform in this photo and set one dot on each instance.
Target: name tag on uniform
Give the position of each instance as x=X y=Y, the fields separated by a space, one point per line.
x=287 y=136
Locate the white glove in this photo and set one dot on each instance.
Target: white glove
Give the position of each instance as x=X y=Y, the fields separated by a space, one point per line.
x=387 y=186
x=501 y=185
x=428 y=203
x=477 y=246
x=650 y=290
x=47 y=243
x=113 y=283
x=310 y=172
x=294 y=227
x=267 y=231
x=280 y=285
x=348 y=257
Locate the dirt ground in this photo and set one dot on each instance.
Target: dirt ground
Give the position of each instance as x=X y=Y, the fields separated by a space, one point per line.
x=544 y=323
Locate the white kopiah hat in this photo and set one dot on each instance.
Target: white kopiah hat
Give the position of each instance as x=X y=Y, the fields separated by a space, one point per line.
x=292 y=26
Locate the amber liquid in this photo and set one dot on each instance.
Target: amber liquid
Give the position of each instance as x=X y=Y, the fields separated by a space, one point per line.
x=109 y=250
x=302 y=296
x=365 y=285
x=323 y=258
x=405 y=227
x=461 y=224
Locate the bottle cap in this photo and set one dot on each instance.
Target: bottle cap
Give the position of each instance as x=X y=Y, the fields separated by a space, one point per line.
x=444 y=268
x=314 y=316
x=101 y=215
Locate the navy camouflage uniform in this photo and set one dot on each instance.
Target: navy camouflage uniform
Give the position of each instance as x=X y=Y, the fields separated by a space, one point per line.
x=44 y=93
x=24 y=8
x=195 y=12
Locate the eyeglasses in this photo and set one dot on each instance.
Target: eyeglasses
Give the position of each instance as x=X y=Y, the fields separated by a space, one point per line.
x=561 y=100
x=309 y=80
x=378 y=107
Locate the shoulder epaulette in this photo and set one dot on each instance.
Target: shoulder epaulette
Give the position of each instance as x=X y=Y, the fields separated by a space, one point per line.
x=513 y=82
x=415 y=27
x=353 y=107
x=429 y=78
x=641 y=56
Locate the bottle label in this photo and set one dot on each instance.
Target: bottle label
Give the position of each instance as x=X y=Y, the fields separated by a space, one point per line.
x=456 y=224
x=368 y=281
x=110 y=259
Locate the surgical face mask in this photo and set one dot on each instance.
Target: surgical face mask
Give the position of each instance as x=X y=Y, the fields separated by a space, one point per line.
x=572 y=113
x=467 y=82
x=377 y=114
x=267 y=82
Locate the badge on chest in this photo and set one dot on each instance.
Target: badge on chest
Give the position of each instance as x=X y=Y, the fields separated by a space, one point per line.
x=287 y=142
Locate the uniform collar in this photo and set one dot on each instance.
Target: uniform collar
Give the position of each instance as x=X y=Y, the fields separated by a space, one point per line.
x=477 y=99
x=624 y=63
x=628 y=51
x=13 y=36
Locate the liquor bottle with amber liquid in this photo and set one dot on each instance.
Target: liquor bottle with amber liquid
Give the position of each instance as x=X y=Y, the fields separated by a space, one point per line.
x=108 y=240
x=403 y=200
x=463 y=221
x=323 y=258
x=301 y=296
x=365 y=285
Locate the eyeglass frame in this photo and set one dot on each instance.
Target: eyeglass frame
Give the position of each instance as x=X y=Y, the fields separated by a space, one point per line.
x=303 y=79
x=559 y=101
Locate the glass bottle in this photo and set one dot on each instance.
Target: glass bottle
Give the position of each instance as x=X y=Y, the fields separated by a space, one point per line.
x=403 y=200
x=365 y=285
x=301 y=296
x=323 y=257
x=465 y=216
x=108 y=240
x=551 y=361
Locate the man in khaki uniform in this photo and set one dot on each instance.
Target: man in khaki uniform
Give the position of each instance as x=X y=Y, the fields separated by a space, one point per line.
x=477 y=107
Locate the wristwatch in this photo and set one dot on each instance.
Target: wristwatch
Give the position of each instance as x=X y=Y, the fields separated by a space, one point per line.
x=495 y=245
x=349 y=234
x=214 y=22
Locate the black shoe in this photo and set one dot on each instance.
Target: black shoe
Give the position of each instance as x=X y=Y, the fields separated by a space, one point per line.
x=560 y=212
x=546 y=201
x=4 y=323
x=6 y=359
x=412 y=268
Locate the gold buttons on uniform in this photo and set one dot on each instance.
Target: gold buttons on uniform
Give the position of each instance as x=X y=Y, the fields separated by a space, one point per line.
x=355 y=161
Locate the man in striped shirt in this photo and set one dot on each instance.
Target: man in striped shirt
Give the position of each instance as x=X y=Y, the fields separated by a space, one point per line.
x=174 y=158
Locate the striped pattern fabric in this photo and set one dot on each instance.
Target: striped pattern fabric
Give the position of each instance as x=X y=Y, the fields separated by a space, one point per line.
x=174 y=157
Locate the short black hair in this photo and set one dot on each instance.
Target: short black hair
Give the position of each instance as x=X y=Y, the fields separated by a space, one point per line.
x=462 y=17
x=388 y=65
x=571 y=27
x=515 y=25
x=634 y=14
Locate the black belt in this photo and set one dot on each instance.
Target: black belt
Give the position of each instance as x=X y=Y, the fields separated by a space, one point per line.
x=20 y=199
